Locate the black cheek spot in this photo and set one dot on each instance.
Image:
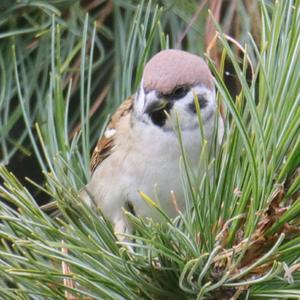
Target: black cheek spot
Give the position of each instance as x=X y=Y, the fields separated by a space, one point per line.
x=202 y=103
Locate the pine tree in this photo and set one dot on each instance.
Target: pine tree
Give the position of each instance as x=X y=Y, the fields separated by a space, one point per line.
x=65 y=66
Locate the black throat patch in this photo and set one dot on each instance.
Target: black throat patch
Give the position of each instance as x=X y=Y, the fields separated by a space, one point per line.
x=159 y=117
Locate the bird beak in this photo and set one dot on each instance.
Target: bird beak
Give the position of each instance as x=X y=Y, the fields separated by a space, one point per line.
x=153 y=105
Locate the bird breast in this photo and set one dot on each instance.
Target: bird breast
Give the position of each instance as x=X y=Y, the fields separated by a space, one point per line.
x=147 y=159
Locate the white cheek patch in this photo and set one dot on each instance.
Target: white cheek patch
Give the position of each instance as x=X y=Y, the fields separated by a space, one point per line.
x=140 y=99
x=182 y=107
x=182 y=104
x=207 y=93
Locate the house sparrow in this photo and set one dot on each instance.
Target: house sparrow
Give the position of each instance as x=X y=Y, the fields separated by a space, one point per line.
x=140 y=149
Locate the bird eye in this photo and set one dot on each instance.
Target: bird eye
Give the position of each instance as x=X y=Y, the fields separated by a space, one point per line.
x=179 y=92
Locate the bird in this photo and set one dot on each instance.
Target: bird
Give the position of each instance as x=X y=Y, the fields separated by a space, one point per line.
x=140 y=151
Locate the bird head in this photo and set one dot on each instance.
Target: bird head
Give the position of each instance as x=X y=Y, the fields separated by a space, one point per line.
x=171 y=81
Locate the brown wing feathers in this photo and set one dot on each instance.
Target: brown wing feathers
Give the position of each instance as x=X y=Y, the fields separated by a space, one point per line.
x=105 y=144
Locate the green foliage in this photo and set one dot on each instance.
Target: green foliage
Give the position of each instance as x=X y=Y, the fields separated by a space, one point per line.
x=239 y=235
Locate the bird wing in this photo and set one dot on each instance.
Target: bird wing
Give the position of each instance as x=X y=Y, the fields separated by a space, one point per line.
x=106 y=142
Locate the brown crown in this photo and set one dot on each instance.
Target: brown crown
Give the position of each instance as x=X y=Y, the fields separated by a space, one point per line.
x=171 y=68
